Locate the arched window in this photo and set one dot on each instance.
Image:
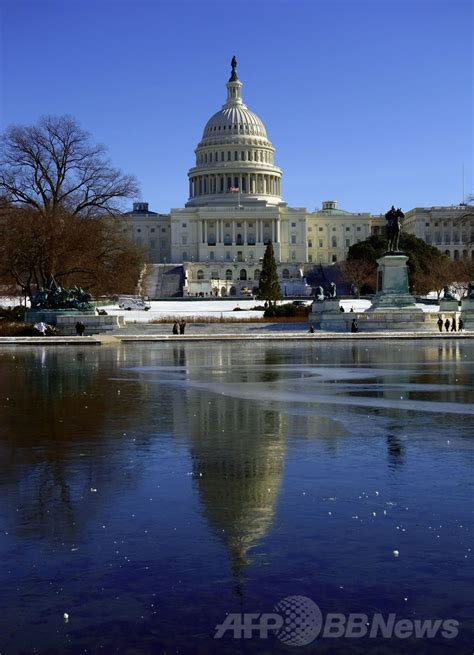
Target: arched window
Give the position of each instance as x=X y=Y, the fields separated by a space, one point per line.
x=200 y=274
x=228 y=274
x=239 y=240
x=232 y=291
x=456 y=254
x=285 y=274
x=223 y=291
x=243 y=274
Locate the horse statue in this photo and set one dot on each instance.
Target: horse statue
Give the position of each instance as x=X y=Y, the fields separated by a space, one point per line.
x=394 y=228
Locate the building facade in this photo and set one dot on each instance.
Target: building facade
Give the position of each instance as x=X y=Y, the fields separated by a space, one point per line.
x=235 y=207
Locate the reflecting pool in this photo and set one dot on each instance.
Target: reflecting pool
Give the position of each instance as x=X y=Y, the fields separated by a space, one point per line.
x=149 y=492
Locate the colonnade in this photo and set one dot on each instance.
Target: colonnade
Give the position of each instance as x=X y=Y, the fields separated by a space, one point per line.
x=251 y=232
x=253 y=183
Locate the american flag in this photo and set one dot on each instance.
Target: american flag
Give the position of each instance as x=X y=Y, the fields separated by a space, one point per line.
x=234 y=189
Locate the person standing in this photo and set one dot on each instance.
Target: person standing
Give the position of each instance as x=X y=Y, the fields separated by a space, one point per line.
x=354 y=326
x=440 y=324
x=182 y=326
x=460 y=324
x=175 y=328
x=447 y=323
x=453 y=324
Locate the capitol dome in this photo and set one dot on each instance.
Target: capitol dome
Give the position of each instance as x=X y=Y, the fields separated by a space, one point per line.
x=234 y=156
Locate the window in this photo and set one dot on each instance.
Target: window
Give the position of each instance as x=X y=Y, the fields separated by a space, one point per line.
x=184 y=225
x=163 y=229
x=152 y=229
x=310 y=258
x=138 y=230
x=310 y=243
x=334 y=242
x=334 y=259
x=320 y=243
x=163 y=243
x=200 y=274
x=293 y=238
x=320 y=229
x=348 y=229
x=256 y=275
x=243 y=274
x=348 y=243
x=293 y=225
x=211 y=255
x=184 y=240
x=285 y=274
x=227 y=255
x=358 y=229
x=185 y=256
x=214 y=275
x=228 y=274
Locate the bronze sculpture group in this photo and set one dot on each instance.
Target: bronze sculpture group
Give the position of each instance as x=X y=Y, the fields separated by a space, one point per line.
x=54 y=297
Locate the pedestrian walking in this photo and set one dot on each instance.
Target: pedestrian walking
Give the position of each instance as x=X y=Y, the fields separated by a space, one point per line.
x=175 y=328
x=460 y=324
x=440 y=324
x=80 y=328
x=182 y=326
x=447 y=323
x=354 y=326
x=453 y=324
x=311 y=329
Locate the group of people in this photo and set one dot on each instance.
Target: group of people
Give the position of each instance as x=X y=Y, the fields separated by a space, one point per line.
x=179 y=327
x=459 y=327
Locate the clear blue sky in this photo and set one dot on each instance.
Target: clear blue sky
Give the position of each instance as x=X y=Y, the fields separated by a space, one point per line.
x=366 y=102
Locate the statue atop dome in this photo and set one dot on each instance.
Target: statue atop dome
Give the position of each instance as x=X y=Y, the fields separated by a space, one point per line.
x=233 y=75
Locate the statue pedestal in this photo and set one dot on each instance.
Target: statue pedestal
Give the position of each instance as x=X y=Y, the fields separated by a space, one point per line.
x=65 y=320
x=392 y=284
x=448 y=305
x=467 y=313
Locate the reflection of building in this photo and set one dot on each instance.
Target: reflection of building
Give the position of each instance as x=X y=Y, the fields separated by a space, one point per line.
x=235 y=207
x=237 y=449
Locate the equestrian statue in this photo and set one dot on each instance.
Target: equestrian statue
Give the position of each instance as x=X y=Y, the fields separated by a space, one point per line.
x=394 y=228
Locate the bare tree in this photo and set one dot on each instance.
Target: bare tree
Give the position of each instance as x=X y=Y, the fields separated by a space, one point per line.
x=76 y=249
x=357 y=272
x=54 y=164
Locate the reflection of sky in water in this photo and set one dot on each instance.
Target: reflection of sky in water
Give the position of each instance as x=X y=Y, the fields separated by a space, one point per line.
x=148 y=490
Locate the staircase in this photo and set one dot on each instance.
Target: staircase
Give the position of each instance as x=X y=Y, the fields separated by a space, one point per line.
x=165 y=281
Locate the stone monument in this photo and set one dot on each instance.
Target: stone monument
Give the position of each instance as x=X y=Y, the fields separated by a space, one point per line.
x=467 y=308
x=63 y=308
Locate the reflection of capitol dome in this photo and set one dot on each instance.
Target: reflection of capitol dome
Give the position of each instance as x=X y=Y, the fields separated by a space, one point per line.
x=238 y=466
x=234 y=154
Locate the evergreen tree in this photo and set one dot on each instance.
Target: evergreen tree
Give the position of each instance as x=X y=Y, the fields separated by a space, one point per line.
x=269 y=287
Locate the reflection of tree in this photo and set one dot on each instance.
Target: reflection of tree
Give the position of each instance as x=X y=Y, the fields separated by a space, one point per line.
x=396 y=451
x=57 y=434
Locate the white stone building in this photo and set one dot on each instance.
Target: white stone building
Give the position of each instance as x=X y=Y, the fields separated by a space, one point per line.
x=450 y=229
x=235 y=207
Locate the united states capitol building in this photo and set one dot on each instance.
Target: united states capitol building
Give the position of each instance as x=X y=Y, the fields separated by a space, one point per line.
x=215 y=244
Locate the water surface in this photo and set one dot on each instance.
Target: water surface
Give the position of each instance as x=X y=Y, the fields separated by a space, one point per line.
x=148 y=490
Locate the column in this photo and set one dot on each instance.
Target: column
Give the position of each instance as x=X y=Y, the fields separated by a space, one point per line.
x=277 y=236
x=245 y=233
x=273 y=231
x=233 y=233
x=205 y=231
